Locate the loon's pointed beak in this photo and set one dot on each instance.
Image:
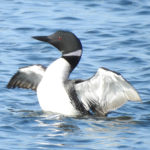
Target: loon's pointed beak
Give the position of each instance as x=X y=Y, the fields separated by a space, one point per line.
x=42 y=38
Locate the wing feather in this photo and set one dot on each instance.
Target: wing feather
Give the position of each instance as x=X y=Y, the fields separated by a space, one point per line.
x=107 y=89
x=27 y=77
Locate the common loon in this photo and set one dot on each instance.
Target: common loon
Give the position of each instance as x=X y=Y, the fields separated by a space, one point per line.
x=102 y=93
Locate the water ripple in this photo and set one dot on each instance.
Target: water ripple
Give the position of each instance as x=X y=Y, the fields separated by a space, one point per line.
x=115 y=35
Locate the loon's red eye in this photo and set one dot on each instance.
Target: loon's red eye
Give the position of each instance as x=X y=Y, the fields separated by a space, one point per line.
x=60 y=38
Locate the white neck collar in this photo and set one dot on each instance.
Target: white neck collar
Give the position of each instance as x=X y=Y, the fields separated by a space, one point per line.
x=74 y=53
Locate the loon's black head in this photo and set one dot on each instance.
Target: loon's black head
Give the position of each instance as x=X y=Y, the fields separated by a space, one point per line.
x=65 y=41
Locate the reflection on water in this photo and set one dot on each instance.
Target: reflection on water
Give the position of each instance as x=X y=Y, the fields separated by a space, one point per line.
x=106 y=131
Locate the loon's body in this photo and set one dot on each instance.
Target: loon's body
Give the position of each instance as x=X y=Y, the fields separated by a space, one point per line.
x=51 y=91
x=104 y=92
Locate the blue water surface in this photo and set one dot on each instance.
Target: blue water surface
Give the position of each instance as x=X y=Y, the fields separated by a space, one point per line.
x=115 y=34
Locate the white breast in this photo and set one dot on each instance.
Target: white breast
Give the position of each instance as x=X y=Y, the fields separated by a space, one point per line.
x=51 y=93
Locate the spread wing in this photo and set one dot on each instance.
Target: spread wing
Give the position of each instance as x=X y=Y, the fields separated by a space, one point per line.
x=27 y=77
x=105 y=91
